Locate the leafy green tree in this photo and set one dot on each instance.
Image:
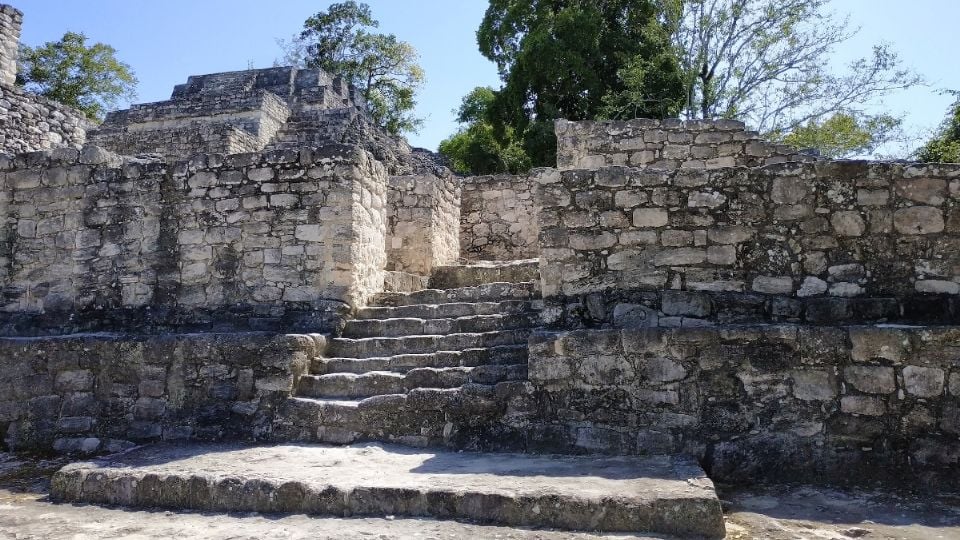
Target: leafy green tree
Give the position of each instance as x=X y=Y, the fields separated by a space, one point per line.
x=766 y=62
x=476 y=148
x=944 y=147
x=384 y=69
x=86 y=77
x=843 y=135
x=563 y=58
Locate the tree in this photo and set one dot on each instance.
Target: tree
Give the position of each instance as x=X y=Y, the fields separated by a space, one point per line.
x=844 y=135
x=764 y=61
x=944 y=147
x=562 y=58
x=87 y=78
x=384 y=69
x=476 y=148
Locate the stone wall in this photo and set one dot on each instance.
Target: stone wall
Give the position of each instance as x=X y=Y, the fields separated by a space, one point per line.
x=203 y=123
x=499 y=218
x=30 y=123
x=90 y=393
x=11 y=20
x=824 y=243
x=781 y=402
x=287 y=239
x=666 y=144
x=423 y=220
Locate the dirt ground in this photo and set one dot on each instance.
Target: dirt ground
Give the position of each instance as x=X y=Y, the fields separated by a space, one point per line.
x=769 y=512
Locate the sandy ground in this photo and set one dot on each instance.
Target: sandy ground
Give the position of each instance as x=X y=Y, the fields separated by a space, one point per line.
x=775 y=513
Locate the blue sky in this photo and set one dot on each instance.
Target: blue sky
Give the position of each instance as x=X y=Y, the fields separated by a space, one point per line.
x=167 y=41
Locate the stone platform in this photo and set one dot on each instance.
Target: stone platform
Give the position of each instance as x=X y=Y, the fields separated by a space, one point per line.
x=666 y=495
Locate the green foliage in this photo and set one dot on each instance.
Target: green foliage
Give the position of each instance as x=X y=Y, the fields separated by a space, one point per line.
x=476 y=148
x=87 y=78
x=843 y=134
x=766 y=62
x=944 y=147
x=575 y=59
x=384 y=69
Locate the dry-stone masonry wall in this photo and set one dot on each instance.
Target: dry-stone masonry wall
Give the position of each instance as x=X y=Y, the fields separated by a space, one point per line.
x=11 y=20
x=499 y=218
x=824 y=243
x=666 y=144
x=781 y=402
x=97 y=392
x=283 y=239
x=423 y=221
x=28 y=122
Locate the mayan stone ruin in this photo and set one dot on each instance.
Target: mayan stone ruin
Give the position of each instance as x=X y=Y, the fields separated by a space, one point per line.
x=275 y=306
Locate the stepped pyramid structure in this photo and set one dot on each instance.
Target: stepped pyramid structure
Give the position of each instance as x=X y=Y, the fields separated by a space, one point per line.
x=269 y=305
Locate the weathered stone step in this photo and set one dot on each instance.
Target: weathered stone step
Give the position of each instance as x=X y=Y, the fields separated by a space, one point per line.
x=502 y=355
x=413 y=326
x=661 y=494
x=393 y=346
x=449 y=310
x=378 y=383
x=481 y=272
x=490 y=292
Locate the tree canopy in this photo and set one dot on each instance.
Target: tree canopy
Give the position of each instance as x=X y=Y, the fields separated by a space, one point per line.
x=475 y=148
x=766 y=62
x=89 y=78
x=567 y=58
x=385 y=70
x=944 y=147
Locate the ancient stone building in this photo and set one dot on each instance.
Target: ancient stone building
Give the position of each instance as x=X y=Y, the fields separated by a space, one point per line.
x=252 y=261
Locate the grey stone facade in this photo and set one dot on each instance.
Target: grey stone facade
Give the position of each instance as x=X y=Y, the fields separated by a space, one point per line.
x=775 y=402
x=820 y=242
x=666 y=144
x=90 y=393
x=11 y=20
x=423 y=219
x=248 y=240
x=499 y=218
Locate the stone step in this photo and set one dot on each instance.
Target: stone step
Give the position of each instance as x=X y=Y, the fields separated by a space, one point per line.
x=503 y=355
x=490 y=292
x=393 y=346
x=661 y=494
x=413 y=326
x=482 y=272
x=403 y=282
x=378 y=383
x=449 y=310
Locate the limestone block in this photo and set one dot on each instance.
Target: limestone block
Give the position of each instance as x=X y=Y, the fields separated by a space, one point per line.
x=733 y=234
x=634 y=316
x=812 y=286
x=933 y=286
x=848 y=223
x=650 y=217
x=863 y=405
x=813 y=385
x=923 y=190
x=789 y=191
x=918 y=220
x=773 y=285
x=871 y=379
x=722 y=255
x=923 y=382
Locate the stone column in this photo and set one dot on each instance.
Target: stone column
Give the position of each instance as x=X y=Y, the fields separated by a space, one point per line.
x=10 y=21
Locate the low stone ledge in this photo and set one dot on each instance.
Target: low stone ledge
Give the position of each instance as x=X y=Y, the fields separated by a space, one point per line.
x=768 y=401
x=88 y=393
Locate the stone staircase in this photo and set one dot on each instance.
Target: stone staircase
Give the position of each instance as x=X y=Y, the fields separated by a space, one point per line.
x=422 y=369
x=426 y=347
